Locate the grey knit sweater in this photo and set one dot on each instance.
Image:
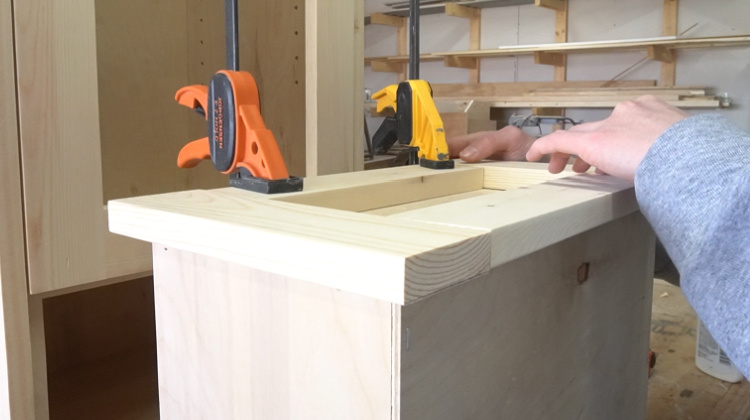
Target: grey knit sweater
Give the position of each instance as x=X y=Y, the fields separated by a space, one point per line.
x=694 y=188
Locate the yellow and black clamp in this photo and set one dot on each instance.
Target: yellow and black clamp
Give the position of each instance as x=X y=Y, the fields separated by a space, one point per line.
x=417 y=121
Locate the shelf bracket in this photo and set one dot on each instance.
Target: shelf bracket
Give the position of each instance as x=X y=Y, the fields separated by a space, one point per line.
x=550 y=59
x=457 y=10
x=387 y=20
x=475 y=31
x=665 y=55
x=398 y=22
x=471 y=63
x=559 y=5
x=384 y=66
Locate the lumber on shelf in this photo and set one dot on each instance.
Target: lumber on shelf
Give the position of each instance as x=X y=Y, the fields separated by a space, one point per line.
x=604 y=46
x=590 y=94
x=580 y=102
x=661 y=44
x=438 y=7
x=584 y=96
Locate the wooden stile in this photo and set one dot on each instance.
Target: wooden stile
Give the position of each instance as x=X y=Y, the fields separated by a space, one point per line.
x=16 y=370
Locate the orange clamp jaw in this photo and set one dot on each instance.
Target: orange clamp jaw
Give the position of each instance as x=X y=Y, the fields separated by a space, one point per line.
x=238 y=141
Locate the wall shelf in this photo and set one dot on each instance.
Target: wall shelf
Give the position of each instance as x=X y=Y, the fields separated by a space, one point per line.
x=431 y=9
x=607 y=46
x=656 y=45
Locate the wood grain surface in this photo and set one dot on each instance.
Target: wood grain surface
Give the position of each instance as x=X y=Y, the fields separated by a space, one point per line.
x=412 y=254
x=236 y=342
x=530 y=340
x=16 y=386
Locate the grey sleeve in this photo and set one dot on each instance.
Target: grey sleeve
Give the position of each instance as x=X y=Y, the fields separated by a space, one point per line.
x=694 y=188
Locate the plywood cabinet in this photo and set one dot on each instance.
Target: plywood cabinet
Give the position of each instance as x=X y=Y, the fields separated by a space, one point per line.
x=98 y=121
x=486 y=291
x=88 y=115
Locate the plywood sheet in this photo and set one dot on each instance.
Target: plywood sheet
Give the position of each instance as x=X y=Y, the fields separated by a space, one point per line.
x=236 y=342
x=530 y=341
x=142 y=127
x=16 y=386
x=59 y=130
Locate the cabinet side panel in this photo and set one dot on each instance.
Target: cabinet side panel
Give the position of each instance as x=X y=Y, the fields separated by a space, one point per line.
x=528 y=340
x=234 y=342
x=59 y=130
x=335 y=86
x=16 y=384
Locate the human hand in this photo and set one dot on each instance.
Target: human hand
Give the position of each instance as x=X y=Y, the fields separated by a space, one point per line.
x=508 y=143
x=615 y=145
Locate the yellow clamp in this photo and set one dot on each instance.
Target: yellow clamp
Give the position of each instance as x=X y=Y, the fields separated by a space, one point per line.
x=386 y=97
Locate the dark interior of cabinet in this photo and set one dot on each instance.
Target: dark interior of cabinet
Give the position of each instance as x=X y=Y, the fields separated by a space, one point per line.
x=101 y=352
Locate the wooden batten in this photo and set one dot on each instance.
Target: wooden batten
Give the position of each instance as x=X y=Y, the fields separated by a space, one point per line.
x=457 y=10
x=669 y=28
x=558 y=5
x=664 y=55
x=552 y=59
x=461 y=62
x=386 y=66
x=582 y=102
x=474 y=16
x=606 y=46
x=334 y=73
x=387 y=20
x=398 y=22
x=481 y=90
x=561 y=36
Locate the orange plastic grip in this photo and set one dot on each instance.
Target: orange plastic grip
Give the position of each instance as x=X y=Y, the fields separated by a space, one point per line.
x=193 y=153
x=193 y=96
x=260 y=154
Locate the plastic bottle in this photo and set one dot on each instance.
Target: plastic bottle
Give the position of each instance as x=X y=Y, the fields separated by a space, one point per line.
x=711 y=359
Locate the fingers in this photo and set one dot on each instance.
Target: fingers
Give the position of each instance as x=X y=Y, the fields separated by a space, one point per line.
x=557 y=162
x=509 y=143
x=457 y=144
x=480 y=148
x=565 y=142
x=470 y=147
x=581 y=166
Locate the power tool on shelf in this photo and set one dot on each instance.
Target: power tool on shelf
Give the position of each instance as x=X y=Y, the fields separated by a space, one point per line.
x=238 y=142
x=417 y=121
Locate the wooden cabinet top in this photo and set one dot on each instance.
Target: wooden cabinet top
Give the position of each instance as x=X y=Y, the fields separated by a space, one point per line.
x=396 y=234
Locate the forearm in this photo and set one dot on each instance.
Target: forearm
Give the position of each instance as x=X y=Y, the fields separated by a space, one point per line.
x=694 y=188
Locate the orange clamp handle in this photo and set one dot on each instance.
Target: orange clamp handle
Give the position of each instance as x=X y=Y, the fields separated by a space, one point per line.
x=193 y=96
x=193 y=153
x=260 y=153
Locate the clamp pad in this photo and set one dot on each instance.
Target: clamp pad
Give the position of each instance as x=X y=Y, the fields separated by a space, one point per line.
x=245 y=180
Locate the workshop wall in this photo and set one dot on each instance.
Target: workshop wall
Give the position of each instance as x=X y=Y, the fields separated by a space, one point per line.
x=719 y=69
